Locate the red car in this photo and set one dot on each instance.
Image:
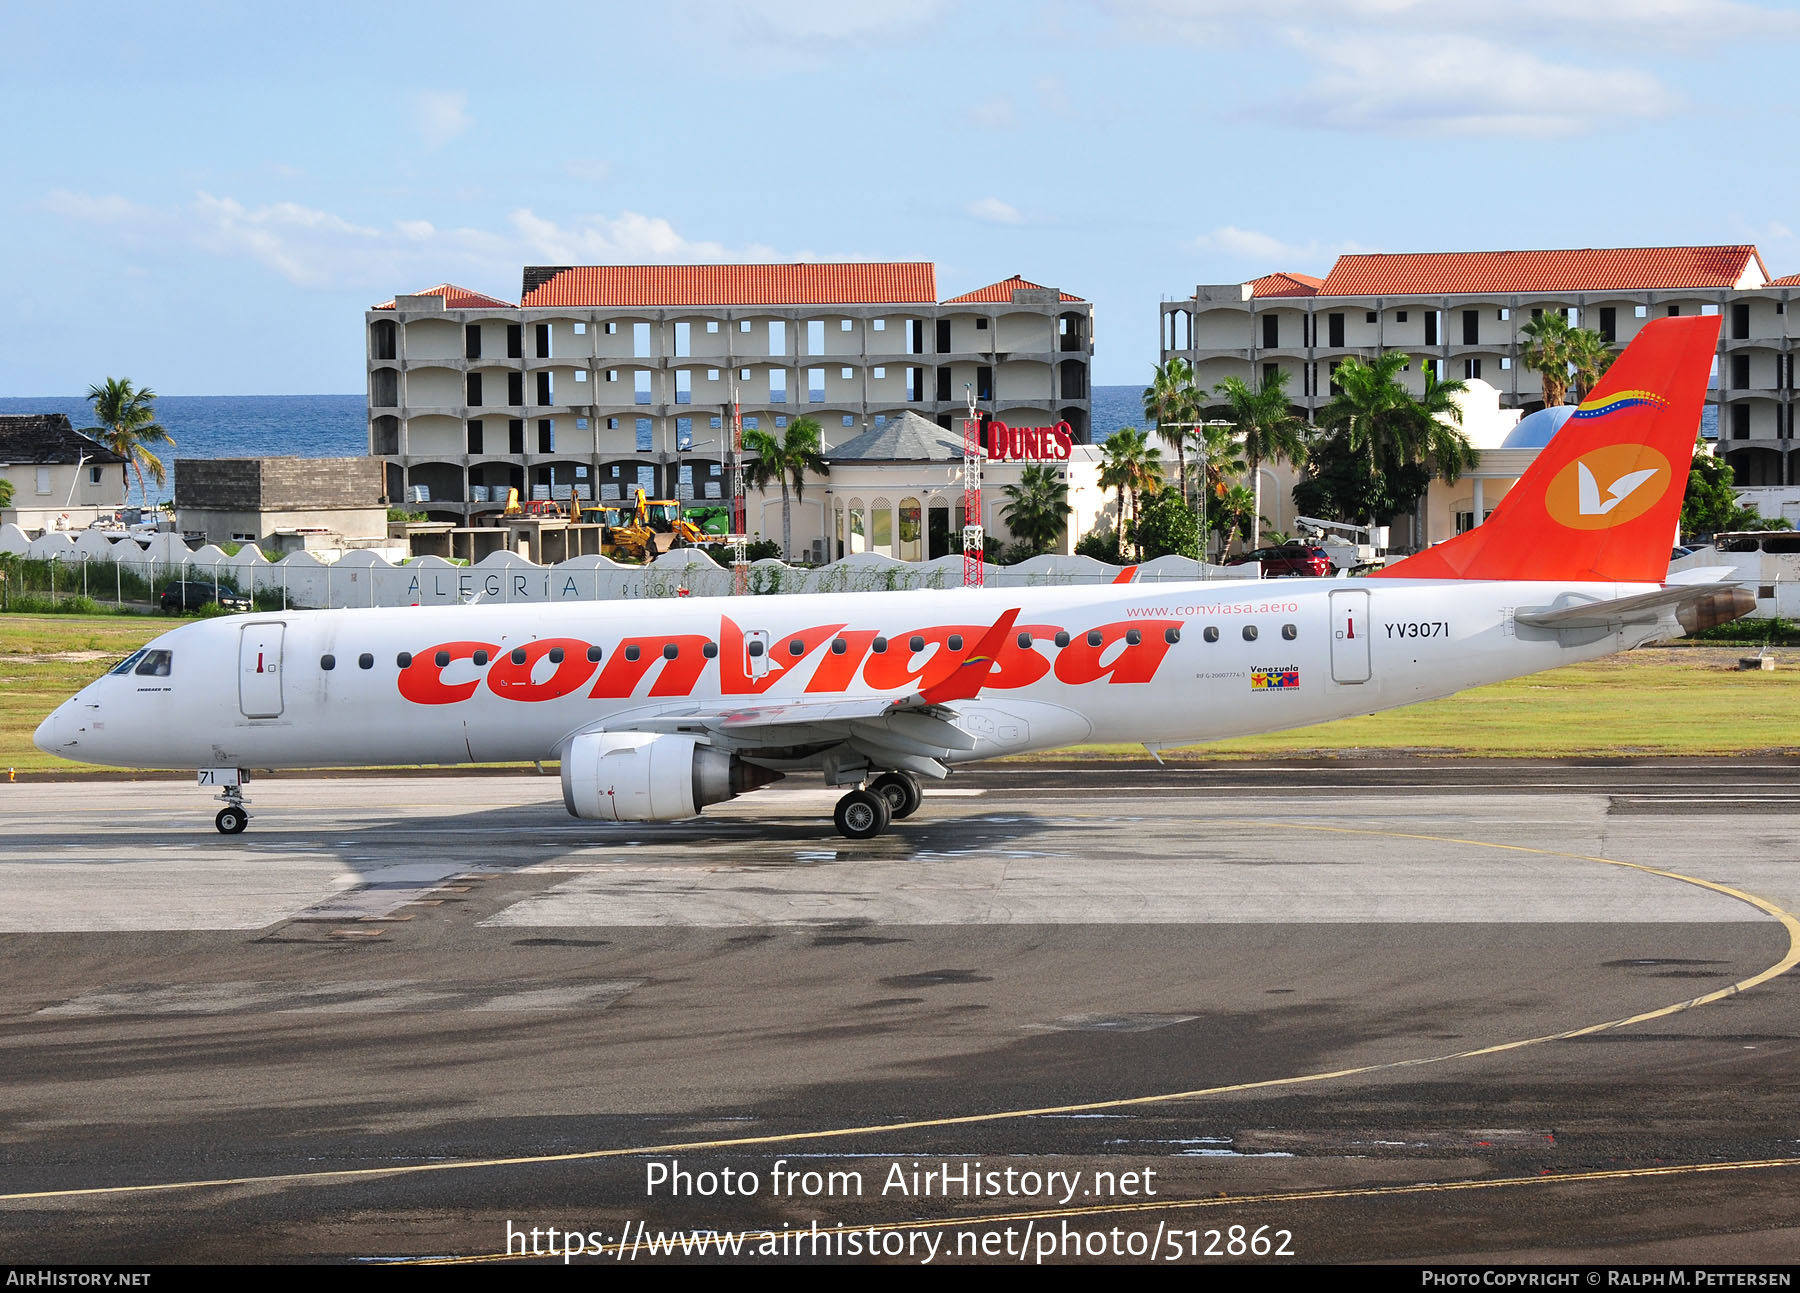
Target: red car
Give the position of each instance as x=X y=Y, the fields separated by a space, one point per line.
x=1288 y=559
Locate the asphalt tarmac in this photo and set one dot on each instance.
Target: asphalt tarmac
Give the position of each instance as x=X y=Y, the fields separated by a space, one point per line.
x=1403 y=1011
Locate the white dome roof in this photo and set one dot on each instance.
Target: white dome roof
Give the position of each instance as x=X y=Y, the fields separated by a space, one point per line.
x=1536 y=429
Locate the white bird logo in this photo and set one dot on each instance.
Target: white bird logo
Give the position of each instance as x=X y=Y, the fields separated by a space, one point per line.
x=1587 y=489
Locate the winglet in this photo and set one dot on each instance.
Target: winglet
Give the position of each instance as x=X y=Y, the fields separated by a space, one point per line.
x=964 y=681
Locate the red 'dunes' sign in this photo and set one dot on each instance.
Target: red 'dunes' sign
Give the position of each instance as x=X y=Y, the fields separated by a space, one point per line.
x=1027 y=444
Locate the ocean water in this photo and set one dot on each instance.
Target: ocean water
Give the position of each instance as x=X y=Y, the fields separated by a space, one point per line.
x=336 y=426
x=233 y=426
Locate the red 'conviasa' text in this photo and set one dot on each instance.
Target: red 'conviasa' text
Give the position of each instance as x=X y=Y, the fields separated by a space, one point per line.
x=831 y=658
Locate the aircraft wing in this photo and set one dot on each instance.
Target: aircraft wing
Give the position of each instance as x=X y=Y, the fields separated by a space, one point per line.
x=1639 y=608
x=916 y=732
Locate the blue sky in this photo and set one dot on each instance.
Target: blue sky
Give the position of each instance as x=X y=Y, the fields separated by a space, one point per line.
x=205 y=198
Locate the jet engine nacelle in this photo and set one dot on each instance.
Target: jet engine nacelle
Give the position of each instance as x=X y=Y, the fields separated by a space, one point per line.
x=650 y=777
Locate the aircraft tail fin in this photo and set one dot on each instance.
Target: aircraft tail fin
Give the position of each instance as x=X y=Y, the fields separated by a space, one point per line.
x=1600 y=503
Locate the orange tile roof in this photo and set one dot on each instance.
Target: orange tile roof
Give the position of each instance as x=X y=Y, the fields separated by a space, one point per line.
x=1587 y=269
x=875 y=283
x=1282 y=283
x=1791 y=280
x=1001 y=292
x=457 y=298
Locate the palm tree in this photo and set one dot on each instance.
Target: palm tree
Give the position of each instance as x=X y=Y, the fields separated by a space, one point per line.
x=1268 y=428
x=1590 y=356
x=1234 y=515
x=127 y=426
x=5 y=492
x=1037 y=508
x=1223 y=457
x=1549 y=351
x=1130 y=464
x=1385 y=427
x=790 y=459
x=1170 y=400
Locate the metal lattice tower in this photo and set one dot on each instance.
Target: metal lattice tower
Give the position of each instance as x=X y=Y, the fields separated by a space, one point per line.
x=740 y=538
x=972 y=532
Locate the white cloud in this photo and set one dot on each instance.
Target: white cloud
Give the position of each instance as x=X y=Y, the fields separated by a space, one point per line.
x=1674 y=24
x=312 y=248
x=589 y=169
x=1271 y=253
x=108 y=209
x=997 y=113
x=627 y=237
x=993 y=211
x=1464 y=85
x=439 y=115
x=830 y=20
x=1453 y=68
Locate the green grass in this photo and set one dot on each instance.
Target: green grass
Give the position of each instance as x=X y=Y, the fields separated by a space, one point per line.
x=1658 y=701
x=1655 y=701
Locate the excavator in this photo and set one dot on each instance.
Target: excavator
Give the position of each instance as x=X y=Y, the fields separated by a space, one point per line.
x=648 y=528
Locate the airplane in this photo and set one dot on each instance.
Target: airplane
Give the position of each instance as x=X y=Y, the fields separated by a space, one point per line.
x=654 y=713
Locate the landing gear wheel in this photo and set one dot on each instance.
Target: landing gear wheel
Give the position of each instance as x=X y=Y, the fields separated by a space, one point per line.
x=862 y=815
x=231 y=820
x=901 y=792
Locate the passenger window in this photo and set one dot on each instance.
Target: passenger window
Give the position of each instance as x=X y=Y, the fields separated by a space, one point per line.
x=879 y=646
x=1133 y=637
x=1095 y=638
x=442 y=659
x=365 y=661
x=593 y=655
x=631 y=652
x=839 y=646
x=796 y=647
x=329 y=662
x=1171 y=636
x=956 y=641
x=128 y=663
x=556 y=655
x=1290 y=632
x=916 y=642
x=480 y=658
x=1249 y=632
x=709 y=650
x=1025 y=640
x=670 y=651
x=1062 y=639
x=518 y=655
x=755 y=648
x=403 y=660
x=1212 y=633
x=155 y=664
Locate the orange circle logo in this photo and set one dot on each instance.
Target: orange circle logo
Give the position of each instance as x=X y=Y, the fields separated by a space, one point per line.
x=1608 y=486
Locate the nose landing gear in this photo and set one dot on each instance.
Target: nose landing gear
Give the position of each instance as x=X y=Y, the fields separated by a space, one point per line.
x=234 y=816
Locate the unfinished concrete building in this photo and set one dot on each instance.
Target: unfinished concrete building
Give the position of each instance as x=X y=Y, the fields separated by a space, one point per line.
x=604 y=378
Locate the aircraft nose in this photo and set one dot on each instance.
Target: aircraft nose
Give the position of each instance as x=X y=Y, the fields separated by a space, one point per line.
x=46 y=738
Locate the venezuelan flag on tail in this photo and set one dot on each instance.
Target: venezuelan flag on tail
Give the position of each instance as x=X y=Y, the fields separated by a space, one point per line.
x=1600 y=503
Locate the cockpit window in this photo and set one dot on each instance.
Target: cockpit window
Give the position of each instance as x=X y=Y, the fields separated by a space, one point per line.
x=155 y=664
x=129 y=662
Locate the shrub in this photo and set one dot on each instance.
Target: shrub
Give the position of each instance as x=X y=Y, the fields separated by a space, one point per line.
x=1777 y=632
x=1101 y=545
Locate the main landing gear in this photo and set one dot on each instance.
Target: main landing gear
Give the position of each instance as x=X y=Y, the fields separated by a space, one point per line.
x=864 y=814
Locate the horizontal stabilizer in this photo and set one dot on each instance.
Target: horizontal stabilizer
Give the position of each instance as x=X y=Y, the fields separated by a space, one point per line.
x=1715 y=603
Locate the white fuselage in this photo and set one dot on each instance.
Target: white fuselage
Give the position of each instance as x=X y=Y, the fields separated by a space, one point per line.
x=1137 y=664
